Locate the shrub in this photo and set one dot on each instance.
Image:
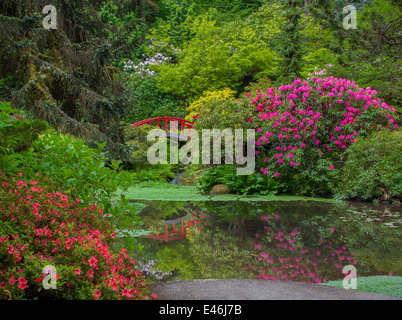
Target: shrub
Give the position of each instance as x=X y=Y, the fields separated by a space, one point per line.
x=194 y=108
x=81 y=171
x=137 y=139
x=303 y=129
x=41 y=227
x=16 y=135
x=224 y=114
x=139 y=165
x=213 y=176
x=373 y=169
x=254 y=183
x=87 y=174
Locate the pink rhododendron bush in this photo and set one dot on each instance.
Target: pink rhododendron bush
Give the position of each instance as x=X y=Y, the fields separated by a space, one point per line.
x=41 y=227
x=303 y=129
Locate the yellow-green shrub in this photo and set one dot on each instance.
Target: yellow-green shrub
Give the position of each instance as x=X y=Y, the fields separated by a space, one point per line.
x=195 y=107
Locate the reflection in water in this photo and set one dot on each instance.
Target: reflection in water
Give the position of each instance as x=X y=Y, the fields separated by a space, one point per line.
x=286 y=255
x=291 y=241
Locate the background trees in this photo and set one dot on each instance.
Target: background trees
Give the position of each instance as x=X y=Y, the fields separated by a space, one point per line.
x=72 y=77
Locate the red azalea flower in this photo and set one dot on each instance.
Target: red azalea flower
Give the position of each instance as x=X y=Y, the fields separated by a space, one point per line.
x=93 y=261
x=97 y=293
x=22 y=283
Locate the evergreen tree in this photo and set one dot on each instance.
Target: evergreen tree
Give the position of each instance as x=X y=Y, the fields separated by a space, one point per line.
x=290 y=41
x=65 y=76
x=371 y=53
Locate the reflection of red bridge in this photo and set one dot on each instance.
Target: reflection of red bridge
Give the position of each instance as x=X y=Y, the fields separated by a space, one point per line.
x=175 y=233
x=163 y=122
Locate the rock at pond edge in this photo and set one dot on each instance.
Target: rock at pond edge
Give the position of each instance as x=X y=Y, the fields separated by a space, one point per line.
x=220 y=189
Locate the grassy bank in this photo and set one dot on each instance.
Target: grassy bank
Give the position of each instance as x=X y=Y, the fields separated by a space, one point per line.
x=171 y=192
x=387 y=285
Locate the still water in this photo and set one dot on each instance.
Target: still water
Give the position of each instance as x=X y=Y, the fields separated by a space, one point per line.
x=305 y=241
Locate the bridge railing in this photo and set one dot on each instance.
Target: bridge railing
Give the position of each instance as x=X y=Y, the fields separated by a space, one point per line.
x=163 y=122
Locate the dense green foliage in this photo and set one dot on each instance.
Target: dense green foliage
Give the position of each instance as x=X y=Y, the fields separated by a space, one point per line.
x=208 y=62
x=373 y=169
x=254 y=183
x=81 y=172
x=290 y=40
x=150 y=102
x=16 y=135
x=70 y=76
x=370 y=53
x=279 y=67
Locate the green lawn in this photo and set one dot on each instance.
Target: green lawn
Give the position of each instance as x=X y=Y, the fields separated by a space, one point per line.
x=168 y=192
x=387 y=285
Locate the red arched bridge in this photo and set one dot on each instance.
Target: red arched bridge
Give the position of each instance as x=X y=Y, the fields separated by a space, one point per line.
x=175 y=233
x=174 y=127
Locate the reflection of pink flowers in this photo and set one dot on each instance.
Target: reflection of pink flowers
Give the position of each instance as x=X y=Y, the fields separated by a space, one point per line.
x=314 y=266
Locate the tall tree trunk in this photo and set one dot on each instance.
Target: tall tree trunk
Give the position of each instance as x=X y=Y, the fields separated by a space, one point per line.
x=306 y=4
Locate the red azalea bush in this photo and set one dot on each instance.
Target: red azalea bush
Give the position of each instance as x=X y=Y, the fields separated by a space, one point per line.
x=41 y=227
x=304 y=128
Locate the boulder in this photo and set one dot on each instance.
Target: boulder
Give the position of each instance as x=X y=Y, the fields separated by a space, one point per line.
x=220 y=189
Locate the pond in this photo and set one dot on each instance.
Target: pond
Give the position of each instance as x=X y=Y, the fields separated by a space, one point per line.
x=309 y=241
